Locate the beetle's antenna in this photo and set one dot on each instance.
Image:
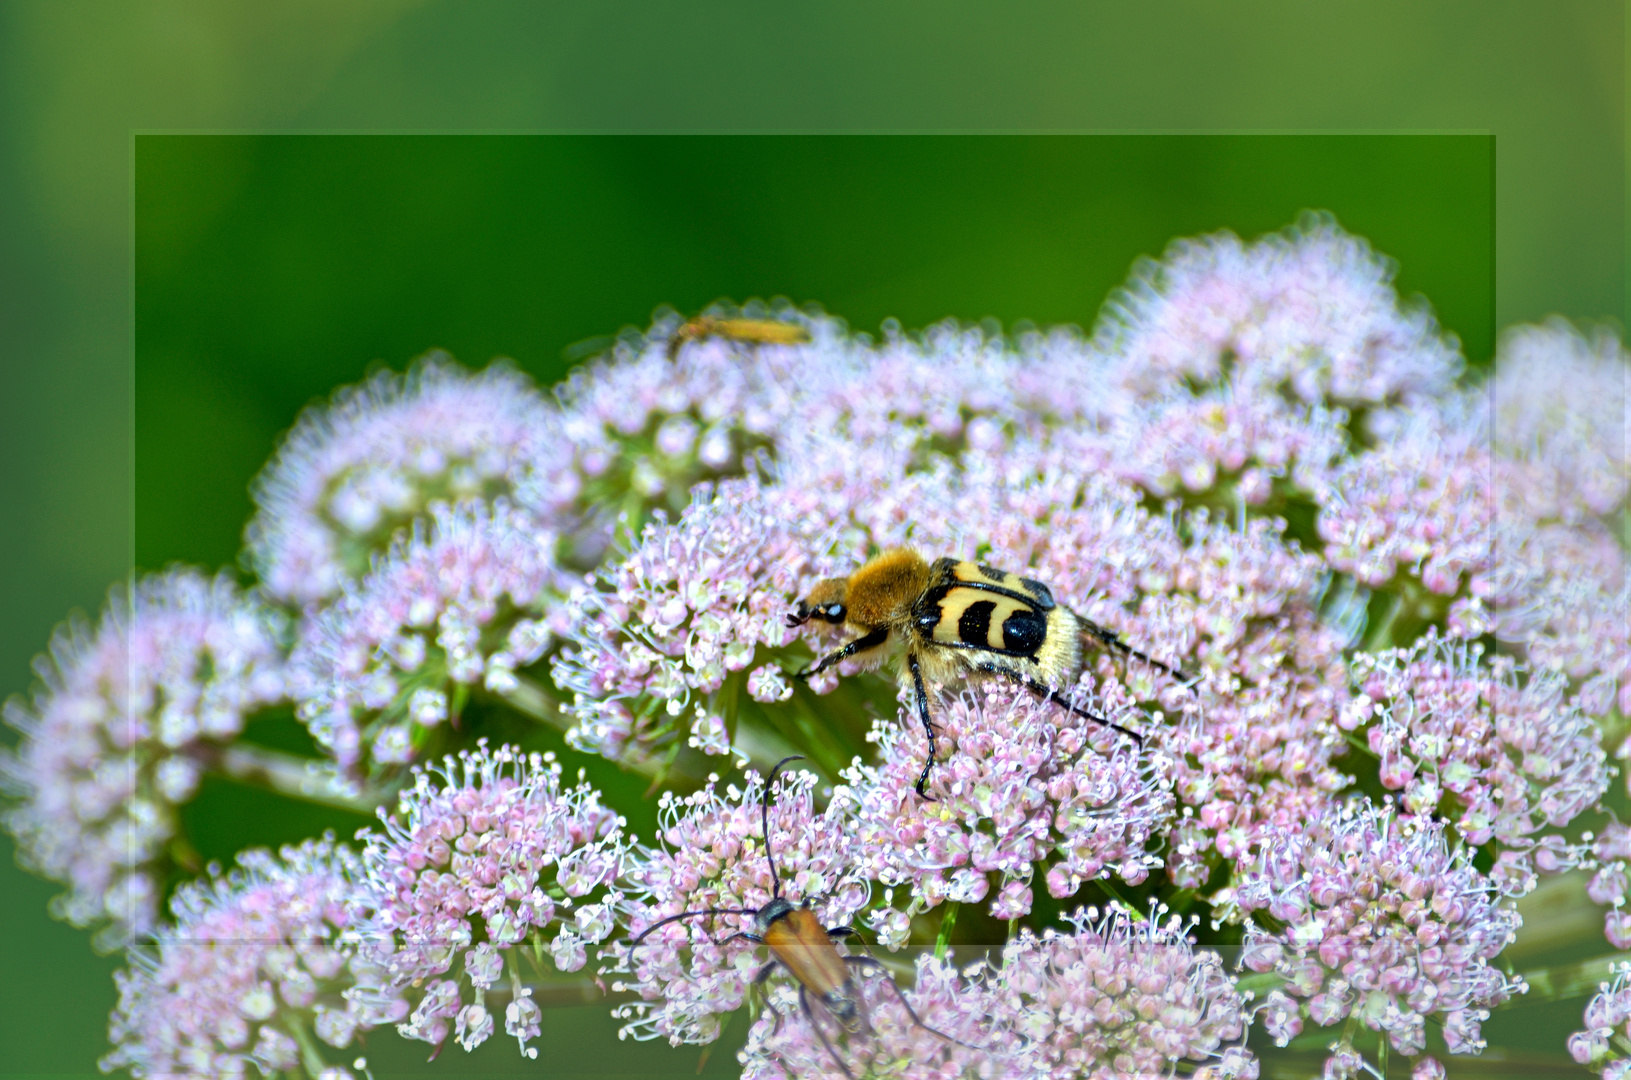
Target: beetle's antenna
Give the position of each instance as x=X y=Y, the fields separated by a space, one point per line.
x=642 y=935
x=764 y=824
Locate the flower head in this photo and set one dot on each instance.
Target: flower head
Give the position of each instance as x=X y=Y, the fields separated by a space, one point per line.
x=1381 y=921
x=256 y=960
x=1311 y=309
x=461 y=602
x=352 y=472
x=129 y=717
x=1560 y=404
x=1120 y=998
x=1507 y=747
x=486 y=859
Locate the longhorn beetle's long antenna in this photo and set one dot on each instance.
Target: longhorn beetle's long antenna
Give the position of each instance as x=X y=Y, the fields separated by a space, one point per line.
x=764 y=823
x=642 y=935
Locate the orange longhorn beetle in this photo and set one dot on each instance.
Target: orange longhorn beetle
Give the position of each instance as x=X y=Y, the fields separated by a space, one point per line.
x=746 y=331
x=803 y=947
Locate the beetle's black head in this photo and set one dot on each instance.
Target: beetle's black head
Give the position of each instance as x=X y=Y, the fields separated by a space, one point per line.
x=771 y=913
x=825 y=602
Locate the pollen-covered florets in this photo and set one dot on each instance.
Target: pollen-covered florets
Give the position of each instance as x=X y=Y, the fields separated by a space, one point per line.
x=1381 y=921
x=461 y=603
x=130 y=716
x=1122 y=997
x=352 y=472
x=255 y=965
x=485 y=854
x=1027 y=796
x=714 y=856
x=1507 y=747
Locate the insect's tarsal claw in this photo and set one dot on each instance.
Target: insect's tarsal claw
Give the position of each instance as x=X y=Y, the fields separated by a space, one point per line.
x=802 y=674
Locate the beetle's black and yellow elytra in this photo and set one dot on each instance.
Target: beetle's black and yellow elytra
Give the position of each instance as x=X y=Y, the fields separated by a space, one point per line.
x=956 y=619
x=746 y=331
x=805 y=949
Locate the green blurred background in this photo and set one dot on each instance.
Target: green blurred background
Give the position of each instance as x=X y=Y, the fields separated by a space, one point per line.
x=78 y=77
x=270 y=269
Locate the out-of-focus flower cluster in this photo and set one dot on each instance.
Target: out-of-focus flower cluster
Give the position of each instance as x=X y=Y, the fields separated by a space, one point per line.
x=486 y=863
x=254 y=967
x=350 y=474
x=130 y=715
x=1261 y=469
x=1375 y=918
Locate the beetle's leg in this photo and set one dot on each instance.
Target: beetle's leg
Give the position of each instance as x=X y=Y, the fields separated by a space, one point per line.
x=1048 y=693
x=758 y=982
x=922 y=699
x=869 y=962
x=804 y=1003
x=870 y=640
x=1112 y=640
x=742 y=935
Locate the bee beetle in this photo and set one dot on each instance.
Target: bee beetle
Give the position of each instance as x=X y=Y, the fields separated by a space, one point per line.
x=800 y=944
x=747 y=331
x=956 y=619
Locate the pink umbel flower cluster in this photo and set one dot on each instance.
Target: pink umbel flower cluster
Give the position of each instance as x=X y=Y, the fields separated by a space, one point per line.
x=461 y=602
x=250 y=977
x=1375 y=918
x=1559 y=398
x=1312 y=309
x=352 y=472
x=1122 y=996
x=1561 y=584
x=1605 y=1044
x=129 y=717
x=487 y=863
x=1508 y=748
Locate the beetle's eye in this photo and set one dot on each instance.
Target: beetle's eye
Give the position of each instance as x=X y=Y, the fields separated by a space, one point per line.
x=833 y=613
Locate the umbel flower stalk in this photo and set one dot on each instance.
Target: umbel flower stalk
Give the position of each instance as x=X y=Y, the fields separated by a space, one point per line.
x=1399 y=587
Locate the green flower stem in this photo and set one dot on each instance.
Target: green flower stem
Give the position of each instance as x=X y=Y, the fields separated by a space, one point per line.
x=947 y=921
x=311 y=1059
x=1381 y=635
x=533 y=700
x=296 y=777
x=762 y=747
x=1558 y=914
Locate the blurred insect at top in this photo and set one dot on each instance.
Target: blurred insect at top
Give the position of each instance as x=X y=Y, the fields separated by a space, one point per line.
x=746 y=331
